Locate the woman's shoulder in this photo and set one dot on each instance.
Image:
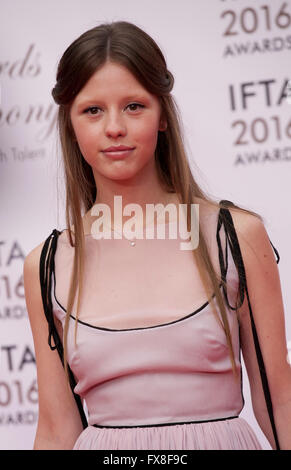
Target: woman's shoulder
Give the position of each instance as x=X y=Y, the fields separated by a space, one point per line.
x=248 y=226
x=31 y=260
x=208 y=213
x=31 y=280
x=243 y=219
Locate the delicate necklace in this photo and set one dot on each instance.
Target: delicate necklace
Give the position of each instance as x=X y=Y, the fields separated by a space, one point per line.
x=132 y=242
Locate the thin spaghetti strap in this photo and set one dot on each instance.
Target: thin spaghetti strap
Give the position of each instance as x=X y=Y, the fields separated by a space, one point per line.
x=46 y=269
x=226 y=219
x=224 y=262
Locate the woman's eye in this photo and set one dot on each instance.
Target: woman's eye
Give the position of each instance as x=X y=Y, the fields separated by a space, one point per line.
x=89 y=109
x=136 y=104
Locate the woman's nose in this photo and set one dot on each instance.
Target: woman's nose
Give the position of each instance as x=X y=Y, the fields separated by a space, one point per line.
x=115 y=125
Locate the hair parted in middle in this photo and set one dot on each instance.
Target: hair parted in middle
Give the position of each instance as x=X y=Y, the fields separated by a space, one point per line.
x=126 y=44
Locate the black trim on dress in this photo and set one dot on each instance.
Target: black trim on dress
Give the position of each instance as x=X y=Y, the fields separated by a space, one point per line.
x=165 y=424
x=46 y=269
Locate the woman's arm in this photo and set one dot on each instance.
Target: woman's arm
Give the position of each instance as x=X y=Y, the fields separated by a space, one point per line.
x=59 y=422
x=265 y=296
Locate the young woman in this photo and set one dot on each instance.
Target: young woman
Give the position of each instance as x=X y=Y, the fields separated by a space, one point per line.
x=149 y=335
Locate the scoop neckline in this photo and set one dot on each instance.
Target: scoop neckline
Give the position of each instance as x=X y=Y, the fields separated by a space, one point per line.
x=152 y=327
x=117 y=330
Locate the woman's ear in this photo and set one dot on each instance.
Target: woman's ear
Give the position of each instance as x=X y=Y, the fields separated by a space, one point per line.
x=163 y=125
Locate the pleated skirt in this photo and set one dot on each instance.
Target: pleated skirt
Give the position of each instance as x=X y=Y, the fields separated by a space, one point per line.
x=232 y=434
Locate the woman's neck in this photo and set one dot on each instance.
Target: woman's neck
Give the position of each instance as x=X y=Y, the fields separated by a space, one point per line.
x=115 y=208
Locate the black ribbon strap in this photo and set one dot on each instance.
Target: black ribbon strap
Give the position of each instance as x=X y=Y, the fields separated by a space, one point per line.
x=224 y=264
x=46 y=270
x=225 y=218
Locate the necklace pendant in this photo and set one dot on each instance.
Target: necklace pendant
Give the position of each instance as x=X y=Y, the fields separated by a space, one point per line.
x=132 y=243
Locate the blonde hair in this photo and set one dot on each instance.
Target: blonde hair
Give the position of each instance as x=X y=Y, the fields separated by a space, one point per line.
x=126 y=44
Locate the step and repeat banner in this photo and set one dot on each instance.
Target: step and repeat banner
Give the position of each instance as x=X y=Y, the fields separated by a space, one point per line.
x=231 y=63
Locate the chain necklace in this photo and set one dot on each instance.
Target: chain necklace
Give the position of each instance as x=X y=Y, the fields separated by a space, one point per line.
x=132 y=242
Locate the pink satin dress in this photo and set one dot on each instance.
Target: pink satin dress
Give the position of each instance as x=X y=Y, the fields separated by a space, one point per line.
x=151 y=359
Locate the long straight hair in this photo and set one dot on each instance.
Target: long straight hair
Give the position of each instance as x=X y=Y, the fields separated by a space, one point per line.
x=126 y=44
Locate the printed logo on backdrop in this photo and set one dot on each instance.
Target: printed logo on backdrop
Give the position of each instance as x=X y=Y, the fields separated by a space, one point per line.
x=261 y=129
x=289 y=92
x=19 y=112
x=18 y=385
x=27 y=121
x=255 y=28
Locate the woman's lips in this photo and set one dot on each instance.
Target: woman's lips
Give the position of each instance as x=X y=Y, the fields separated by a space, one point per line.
x=119 y=154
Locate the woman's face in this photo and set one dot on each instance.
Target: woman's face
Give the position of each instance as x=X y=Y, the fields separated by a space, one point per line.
x=114 y=109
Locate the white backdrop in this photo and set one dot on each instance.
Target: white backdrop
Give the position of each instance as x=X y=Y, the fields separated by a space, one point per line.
x=231 y=62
